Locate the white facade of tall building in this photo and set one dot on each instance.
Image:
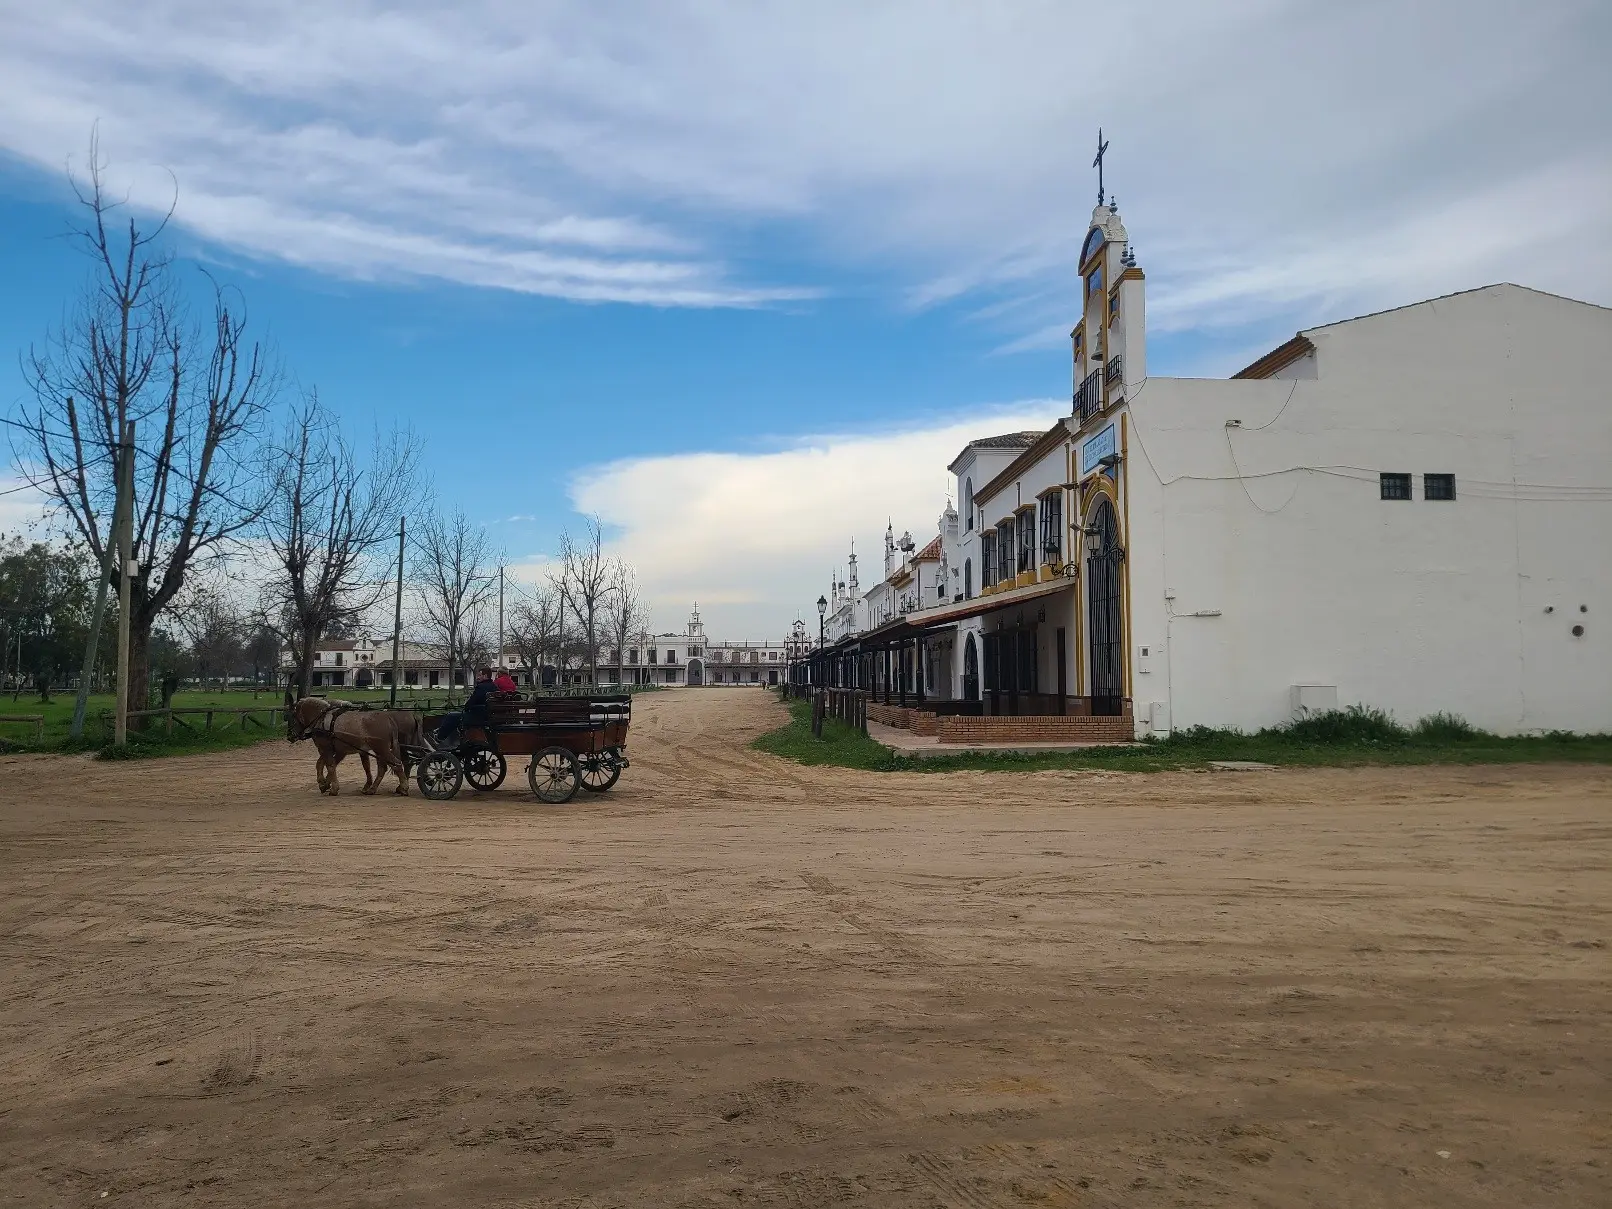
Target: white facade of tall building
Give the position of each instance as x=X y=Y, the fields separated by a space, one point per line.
x=1410 y=510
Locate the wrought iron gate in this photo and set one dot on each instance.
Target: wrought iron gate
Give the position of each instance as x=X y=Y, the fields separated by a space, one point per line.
x=1103 y=607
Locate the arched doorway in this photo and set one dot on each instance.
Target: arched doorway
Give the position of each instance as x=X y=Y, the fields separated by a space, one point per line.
x=696 y=672
x=971 y=671
x=1103 y=608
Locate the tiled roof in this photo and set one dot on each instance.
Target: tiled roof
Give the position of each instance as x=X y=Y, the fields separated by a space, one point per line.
x=931 y=551
x=1006 y=440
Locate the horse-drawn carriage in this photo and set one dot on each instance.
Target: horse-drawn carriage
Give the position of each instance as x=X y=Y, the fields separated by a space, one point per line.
x=574 y=743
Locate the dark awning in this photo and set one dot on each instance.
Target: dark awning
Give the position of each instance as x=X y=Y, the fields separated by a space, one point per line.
x=949 y=614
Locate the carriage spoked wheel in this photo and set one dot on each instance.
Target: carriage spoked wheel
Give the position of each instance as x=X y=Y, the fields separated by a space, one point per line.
x=554 y=775
x=484 y=768
x=439 y=775
x=600 y=770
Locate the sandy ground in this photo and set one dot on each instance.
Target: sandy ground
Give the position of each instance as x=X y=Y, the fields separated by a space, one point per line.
x=734 y=981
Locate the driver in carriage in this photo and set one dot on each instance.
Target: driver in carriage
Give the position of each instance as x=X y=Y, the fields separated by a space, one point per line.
x=450 y=730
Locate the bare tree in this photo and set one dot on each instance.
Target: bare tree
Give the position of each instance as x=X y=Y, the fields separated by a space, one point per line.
x=536 y=629
x=625 y=613
x=329 y=523
x=585 y=582
x=197 y=396
x=451 y=560
x=216 y=630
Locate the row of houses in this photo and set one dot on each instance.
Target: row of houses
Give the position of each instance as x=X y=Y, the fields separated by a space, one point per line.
x=679 y=658
x=1408 y=510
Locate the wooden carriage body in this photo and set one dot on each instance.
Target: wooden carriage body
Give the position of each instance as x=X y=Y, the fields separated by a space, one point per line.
x=573 y=742
x=520 y=727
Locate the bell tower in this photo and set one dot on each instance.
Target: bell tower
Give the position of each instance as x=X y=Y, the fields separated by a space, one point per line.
x=1109 y=341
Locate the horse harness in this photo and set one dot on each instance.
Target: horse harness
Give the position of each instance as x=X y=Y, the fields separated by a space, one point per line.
x=325 y=726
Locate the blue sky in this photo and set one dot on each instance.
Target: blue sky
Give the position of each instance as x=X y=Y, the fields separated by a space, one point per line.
x=663 y=260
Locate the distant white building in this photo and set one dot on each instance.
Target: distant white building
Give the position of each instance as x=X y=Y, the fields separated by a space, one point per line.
x=690 y=658
x=1410 y=510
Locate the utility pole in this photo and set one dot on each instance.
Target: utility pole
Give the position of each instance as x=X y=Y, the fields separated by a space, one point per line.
x=125 y=510
x=92 y=643
x=397 y=617
x=500 y=659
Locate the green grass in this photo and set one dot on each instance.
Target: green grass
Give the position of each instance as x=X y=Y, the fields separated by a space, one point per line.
x=58 y=712
x=155 y=740
x=1342 y=738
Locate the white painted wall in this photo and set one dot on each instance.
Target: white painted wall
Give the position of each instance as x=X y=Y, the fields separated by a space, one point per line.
x=1261 y=556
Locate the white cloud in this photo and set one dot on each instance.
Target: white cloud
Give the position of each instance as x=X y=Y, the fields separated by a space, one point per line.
x=754 y=537
x=1274 y=156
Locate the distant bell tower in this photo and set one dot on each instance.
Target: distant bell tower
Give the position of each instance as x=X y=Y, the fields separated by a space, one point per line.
x=1109 y=341
x=889 y=549
x=852 y=588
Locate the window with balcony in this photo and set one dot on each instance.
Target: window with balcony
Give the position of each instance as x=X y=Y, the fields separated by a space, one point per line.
x=1052 y=528
x=1026 y=551
x=987 y=563
x=1006 y=559
x=652 y=654
x=632 y=654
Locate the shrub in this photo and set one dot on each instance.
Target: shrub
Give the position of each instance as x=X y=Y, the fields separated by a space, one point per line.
x=1445 y=727
x=1357 y=724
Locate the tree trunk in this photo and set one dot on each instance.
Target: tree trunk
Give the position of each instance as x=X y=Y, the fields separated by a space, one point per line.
x=139 y=666
x=307 y=648
x=593 y=652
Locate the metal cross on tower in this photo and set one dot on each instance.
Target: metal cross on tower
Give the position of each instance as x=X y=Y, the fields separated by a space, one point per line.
x=1102 y=149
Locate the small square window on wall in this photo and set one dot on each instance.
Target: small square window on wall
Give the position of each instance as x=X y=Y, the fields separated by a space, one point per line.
x=1438 y=486
x=1396 y=486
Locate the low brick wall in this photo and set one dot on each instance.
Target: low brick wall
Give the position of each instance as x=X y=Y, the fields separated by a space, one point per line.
x=924 y=722
x=1053 y=728
x=890 y=715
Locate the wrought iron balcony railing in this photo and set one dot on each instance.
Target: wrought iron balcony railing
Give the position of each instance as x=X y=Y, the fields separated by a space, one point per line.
x=1089 y=398
x=1116 y=370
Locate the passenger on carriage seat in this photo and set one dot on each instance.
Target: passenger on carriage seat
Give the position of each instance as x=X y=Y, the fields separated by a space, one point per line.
x=505 y=683
x=448 y=730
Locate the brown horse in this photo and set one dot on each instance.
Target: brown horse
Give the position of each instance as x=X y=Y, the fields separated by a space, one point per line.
x=339 y=728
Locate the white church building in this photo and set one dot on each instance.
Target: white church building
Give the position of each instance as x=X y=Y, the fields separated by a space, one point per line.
x=1410 y=510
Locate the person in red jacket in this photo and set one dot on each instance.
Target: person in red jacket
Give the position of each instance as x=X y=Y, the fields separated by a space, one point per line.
x=504 y=682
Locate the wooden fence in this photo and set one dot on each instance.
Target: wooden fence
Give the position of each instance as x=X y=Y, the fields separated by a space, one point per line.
x=849 y=705
x=37 y=721
x=243 y=717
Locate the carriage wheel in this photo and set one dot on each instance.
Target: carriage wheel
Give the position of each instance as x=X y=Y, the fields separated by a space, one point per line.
x=484 y=768
x=554 y=775
x=439 y=775
x=600 y=770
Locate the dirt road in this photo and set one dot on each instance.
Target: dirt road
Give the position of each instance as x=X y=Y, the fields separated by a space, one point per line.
x=734 y=981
